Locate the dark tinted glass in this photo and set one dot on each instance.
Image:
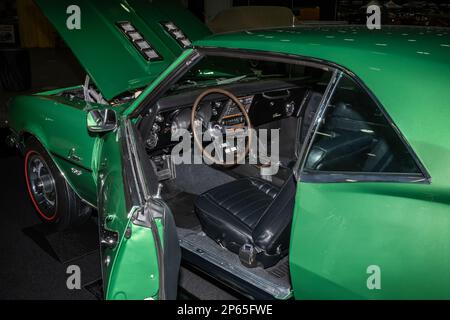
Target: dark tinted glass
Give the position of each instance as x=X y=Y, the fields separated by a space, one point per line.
x=355 y=136
x=218 y=71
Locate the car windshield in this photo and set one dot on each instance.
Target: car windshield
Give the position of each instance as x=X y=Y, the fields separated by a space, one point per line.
x=215 y=70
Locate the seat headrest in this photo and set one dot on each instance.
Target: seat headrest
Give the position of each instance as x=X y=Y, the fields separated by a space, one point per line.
x=346 y=110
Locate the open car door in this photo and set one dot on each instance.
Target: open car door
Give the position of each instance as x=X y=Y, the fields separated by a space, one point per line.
x=139 y=245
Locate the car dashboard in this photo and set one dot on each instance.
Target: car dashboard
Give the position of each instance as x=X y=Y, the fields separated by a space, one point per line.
x=264 y=101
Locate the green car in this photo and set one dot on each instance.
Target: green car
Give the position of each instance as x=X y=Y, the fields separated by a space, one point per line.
x=350 y=198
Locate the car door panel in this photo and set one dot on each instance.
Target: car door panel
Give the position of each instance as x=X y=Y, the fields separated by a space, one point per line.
x=133 y=227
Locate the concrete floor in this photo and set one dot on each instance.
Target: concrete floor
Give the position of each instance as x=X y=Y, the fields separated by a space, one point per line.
x=31 y=268
x=33 y=261
x=50 y=69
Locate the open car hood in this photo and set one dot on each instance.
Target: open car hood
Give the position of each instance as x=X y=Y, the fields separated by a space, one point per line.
x=116 y=58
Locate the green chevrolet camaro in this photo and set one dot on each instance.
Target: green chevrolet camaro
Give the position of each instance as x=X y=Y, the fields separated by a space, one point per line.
x=357 y=201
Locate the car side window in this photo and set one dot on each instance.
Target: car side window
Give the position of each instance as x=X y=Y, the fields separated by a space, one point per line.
x=355 y=136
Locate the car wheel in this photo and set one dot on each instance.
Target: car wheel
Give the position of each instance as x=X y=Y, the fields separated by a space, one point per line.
x=51 y=195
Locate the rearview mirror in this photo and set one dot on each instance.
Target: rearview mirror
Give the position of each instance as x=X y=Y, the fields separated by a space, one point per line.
x=101 y=120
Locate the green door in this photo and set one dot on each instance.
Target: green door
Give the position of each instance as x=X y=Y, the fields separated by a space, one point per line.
x=139 y=245
x=369 y=223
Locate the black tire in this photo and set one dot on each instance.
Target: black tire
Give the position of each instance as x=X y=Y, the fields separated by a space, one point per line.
x=68 y=210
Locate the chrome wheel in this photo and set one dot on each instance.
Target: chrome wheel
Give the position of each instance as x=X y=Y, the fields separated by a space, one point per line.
x=41 y=185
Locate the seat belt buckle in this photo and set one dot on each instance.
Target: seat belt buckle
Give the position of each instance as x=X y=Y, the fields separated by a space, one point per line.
x=247 y=255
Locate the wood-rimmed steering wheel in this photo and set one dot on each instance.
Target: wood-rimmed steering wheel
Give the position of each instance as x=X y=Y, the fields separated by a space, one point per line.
x=216 y=131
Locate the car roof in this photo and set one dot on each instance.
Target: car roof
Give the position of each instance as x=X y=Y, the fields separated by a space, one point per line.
x=406 y=68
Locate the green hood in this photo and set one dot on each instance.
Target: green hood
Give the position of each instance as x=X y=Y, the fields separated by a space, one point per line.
x=115 y=63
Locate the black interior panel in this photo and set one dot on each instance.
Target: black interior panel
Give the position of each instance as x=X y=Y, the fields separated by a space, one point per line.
x=266 y=101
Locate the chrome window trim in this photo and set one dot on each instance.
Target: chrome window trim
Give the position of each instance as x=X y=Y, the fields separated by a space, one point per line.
x=329 y=91
x=132 y=156
x=349 y=177
x=142 y=215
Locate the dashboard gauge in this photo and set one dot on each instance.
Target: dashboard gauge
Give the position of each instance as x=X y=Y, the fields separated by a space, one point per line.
x=156 y=128
x=181 y=121
x=204 y=113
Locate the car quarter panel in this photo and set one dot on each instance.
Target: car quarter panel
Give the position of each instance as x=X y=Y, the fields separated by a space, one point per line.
x=340 y=230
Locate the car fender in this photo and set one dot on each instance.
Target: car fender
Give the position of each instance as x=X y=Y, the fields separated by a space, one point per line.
x=60 y=126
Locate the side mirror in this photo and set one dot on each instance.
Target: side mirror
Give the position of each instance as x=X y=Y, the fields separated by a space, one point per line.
x=101 y=120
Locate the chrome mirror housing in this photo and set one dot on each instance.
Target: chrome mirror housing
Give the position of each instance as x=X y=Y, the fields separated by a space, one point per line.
x=101 y=120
